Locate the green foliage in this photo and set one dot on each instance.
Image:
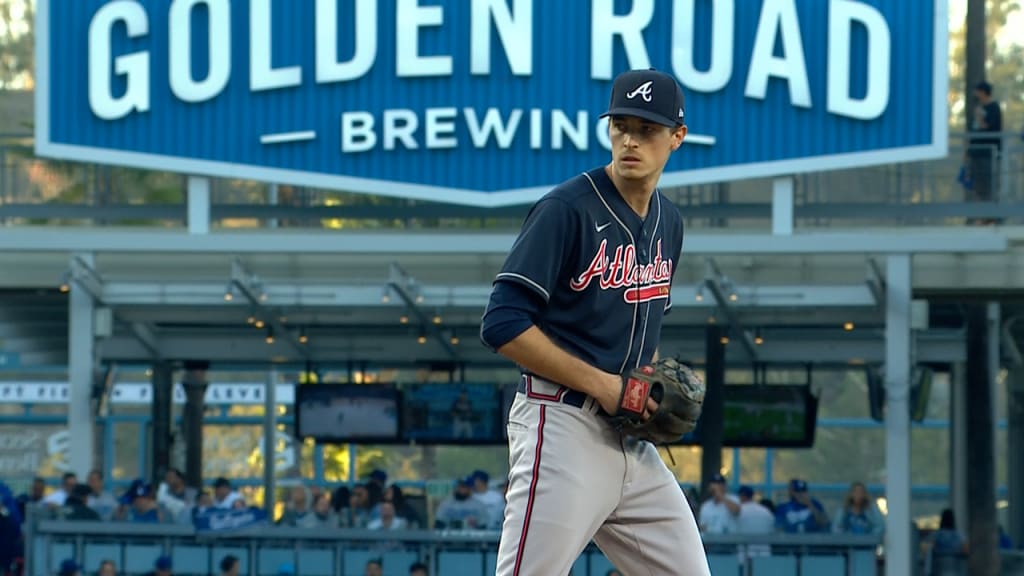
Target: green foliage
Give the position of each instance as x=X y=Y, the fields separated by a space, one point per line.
x=17 y=44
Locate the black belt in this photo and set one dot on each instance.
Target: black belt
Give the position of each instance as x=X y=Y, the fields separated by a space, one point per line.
x=567 y=396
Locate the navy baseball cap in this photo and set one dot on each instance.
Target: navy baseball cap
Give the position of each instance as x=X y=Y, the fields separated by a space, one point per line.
x=69 y=566
x=798 y=485
x=718 y=479
x=746 y=491
x=163 y=563
x=647 y=94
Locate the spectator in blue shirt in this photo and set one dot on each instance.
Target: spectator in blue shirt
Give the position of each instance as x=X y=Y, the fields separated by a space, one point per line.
x=859 y=514
x=801 y=513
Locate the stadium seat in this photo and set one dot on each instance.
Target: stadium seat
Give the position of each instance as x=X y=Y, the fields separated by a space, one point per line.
x=59 y=552
x=218 y=553
x=451 y=563
x=724 y=564
x=268 y=559
x=139 y=558
x=192 y=560
x=93 y=554
x=599 y=564
x=773 y=566
x=396 y=563
x=863 y=563
x=354 y=561
x=315 y=562
x=822 y=565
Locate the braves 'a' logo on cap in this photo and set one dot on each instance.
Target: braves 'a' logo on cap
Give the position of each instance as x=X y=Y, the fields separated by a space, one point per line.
x=645 y=90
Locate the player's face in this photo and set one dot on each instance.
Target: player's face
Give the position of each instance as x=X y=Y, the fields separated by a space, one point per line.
x=641 y=148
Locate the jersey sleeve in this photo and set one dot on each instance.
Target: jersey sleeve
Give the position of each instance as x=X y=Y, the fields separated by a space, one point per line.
x=540 y=253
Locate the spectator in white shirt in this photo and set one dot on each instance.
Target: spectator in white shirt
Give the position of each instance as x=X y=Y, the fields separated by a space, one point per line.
x=387 y=519
x=100 y=499
x=59 y=496
x=718 y=513
x=176 y=497
x=224 y=498
x=754 y=518
x=493 y=500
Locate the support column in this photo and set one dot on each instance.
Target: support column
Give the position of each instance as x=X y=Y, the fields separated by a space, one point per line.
x=163 y=393
x=195 y=383
x=711 y=425
x=898 y=554
x=81 y=365
x=1015 y=450
x=269 y=444
x=782 y=206
x=958 y=441
x=198 y=205
x=980 y=523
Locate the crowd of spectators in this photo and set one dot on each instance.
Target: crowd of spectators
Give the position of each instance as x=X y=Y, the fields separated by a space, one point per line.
x=475 y=503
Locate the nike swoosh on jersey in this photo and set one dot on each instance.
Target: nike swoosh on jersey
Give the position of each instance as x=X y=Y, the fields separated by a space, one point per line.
x=600 y=227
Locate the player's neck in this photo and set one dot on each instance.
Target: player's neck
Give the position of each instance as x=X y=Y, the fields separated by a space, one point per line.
x=636 y=193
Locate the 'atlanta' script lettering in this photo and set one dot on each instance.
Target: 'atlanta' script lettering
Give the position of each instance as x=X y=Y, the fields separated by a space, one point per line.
x=622 y=270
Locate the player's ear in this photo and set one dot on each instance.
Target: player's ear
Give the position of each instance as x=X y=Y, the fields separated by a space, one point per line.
x=678 y=135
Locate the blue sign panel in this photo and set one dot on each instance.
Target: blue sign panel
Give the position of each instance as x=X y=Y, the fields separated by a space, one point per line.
x=484 y=102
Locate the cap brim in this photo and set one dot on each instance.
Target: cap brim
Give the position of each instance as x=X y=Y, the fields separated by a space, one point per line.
x=640 y=113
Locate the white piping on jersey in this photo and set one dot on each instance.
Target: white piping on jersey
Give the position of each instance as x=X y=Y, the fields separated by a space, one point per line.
x=537 y=286
x=650 y=250
x=636 y=305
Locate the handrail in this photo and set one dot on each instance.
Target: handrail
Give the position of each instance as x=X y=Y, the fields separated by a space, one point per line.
x=128 y=529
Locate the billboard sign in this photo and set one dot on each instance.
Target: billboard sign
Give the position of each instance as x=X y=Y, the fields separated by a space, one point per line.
x=482 y=102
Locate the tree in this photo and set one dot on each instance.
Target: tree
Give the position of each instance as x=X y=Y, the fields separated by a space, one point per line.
x=17 y=45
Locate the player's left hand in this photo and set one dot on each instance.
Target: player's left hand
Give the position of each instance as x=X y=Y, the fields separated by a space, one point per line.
x=661 y=402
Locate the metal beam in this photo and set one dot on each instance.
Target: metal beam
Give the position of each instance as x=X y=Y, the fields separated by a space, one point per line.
x=886 y=241
x=876 y=282
x=252 y=289
x=841 y=211
x=360 y=295
x=408 y=290
x=812 y=347
x=714 y=280
x=84 y=275
x=145 y=335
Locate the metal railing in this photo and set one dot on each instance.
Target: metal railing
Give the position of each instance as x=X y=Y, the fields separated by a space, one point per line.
x=340 y=552
x=38 y=191
x=344 y=552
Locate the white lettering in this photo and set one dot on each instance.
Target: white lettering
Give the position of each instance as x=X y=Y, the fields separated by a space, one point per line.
x=561 y=127
x=183 y=82
x=603 y=138
x=135 y=66
x=409 y=63
x=439 y=122
x=536 y=129
x=841 y=16
x=328 y=69
x=262 y=74
x=400 y=125
x=778 y=17
x=438 y=128
x=516 y=35
x=357 y=133
x=683 y=45
x=605 y=25
x=480 y=134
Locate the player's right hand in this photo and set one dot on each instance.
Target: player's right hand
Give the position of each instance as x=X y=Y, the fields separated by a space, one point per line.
x=609 y=391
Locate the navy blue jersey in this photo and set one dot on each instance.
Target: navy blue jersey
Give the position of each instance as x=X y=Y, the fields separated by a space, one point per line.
x=604 y=273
